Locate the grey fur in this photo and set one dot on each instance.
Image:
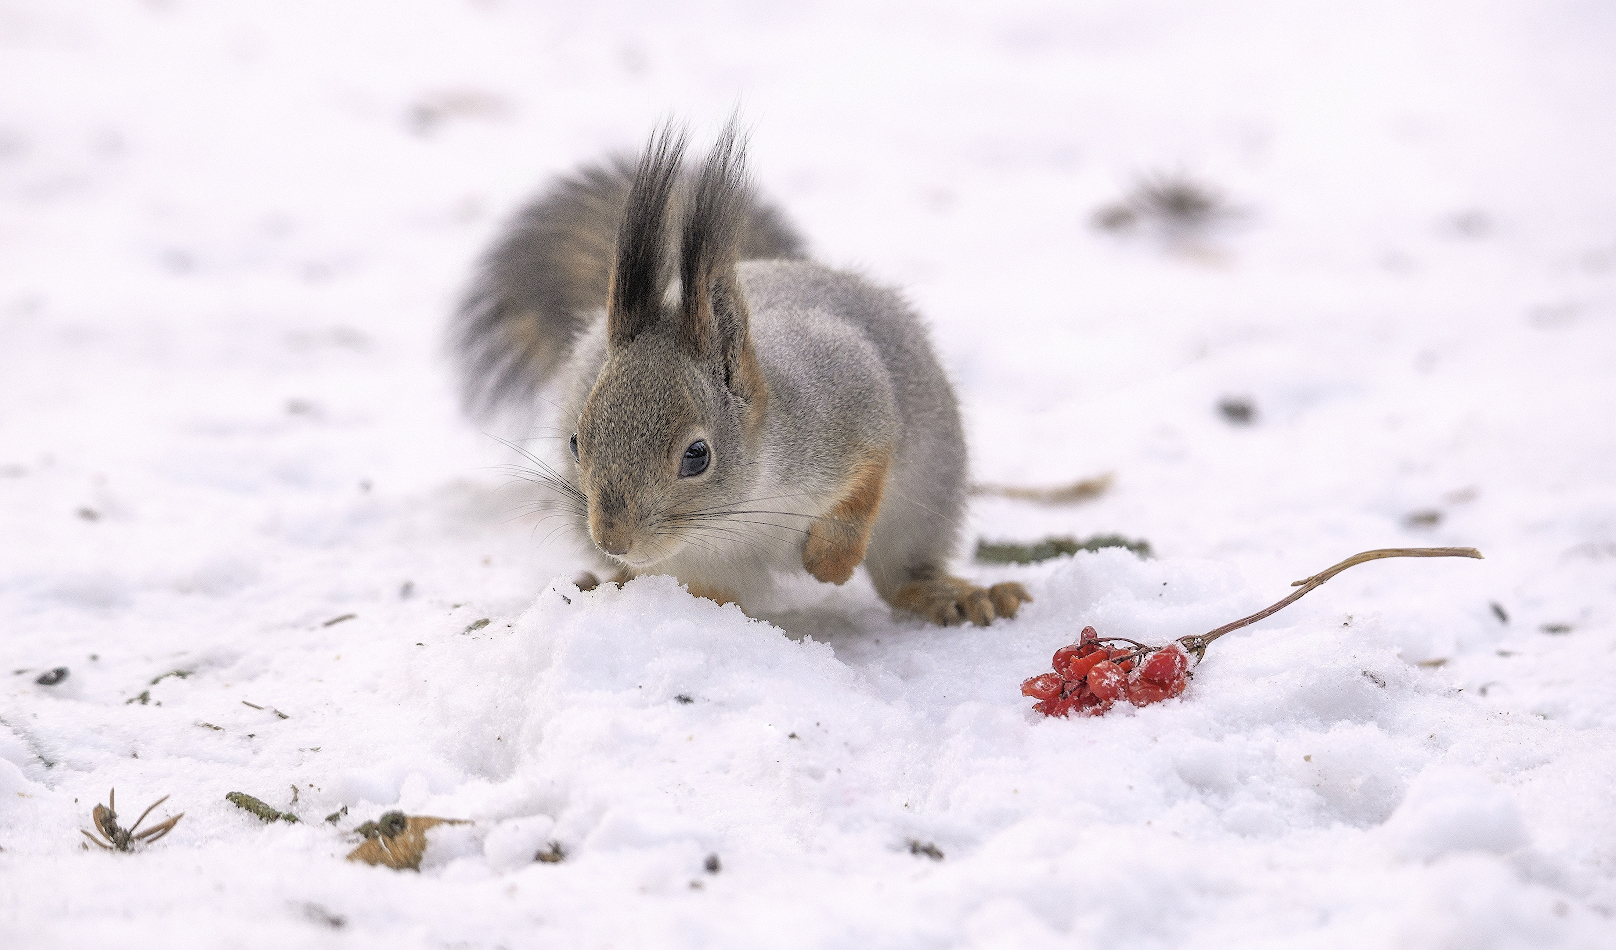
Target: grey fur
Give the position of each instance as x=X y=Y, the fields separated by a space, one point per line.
x=541 y=282
x=801 y=380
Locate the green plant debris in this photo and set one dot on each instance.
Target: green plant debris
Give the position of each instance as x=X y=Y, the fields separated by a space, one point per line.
x=144 y=698
x=336 y=816
x=266 y=709
x=477 y=625
x=1053 y=547
x=552 y=853
x=336 y=620
x=182 y=674
x=388 y=825
x=248 y=803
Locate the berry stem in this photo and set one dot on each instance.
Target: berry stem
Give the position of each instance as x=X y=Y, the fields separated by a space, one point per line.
x=1197 y=645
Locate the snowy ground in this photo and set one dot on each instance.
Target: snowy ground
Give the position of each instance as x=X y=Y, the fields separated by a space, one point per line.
x=229 y=237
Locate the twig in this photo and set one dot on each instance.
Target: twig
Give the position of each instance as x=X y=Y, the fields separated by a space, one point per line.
x=1077 y=491
x=113 y=838
x=1197 y=644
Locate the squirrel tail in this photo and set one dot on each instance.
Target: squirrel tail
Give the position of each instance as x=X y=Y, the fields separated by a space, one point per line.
x=549 y=275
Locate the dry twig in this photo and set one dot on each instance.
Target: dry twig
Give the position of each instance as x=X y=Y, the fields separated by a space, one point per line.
x=113 y=838
x=1197 y=645
x=1082 y=490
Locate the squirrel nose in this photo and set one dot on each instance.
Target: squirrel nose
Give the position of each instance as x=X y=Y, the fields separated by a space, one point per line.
x=611 y=533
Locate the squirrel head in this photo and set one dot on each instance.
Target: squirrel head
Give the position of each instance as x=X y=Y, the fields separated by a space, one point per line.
x=666 y=440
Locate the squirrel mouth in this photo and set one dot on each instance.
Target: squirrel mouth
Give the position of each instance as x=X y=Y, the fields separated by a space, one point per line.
x=637 y=557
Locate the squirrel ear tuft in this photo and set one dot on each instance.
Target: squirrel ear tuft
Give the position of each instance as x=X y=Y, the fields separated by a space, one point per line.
x=640 y=274
x=713 y=320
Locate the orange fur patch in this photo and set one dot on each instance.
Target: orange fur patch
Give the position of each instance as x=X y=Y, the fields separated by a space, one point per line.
x=711 y=593
x=756 y=391
x=838 y=539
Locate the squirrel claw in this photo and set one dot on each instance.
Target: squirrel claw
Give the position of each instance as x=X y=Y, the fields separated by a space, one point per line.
x=587 y=581
x=951 y=600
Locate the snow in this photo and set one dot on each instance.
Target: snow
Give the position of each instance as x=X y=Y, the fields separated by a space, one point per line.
x=231 y=236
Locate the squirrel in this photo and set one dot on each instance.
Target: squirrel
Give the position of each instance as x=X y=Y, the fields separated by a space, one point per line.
x=736 y=410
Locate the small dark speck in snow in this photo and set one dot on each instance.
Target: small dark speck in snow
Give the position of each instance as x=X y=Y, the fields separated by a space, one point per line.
x=476 y=625
x=683 y=700
x=336 y=620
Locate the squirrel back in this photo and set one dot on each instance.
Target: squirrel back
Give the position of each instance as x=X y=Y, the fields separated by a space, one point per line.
x=548 y=275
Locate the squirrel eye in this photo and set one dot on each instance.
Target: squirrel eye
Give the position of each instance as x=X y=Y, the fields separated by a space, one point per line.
x=574 y=448
x=695 y=460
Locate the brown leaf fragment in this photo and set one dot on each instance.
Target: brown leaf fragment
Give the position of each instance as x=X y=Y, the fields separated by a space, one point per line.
x=397 y=840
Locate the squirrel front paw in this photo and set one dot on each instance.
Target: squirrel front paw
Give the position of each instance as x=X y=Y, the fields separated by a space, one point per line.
x=951 y=600
x=587 y=581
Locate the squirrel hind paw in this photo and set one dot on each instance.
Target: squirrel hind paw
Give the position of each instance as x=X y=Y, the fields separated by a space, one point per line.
x=952 y=600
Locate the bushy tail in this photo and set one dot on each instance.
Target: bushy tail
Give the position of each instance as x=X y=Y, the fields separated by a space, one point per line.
x=538 y=287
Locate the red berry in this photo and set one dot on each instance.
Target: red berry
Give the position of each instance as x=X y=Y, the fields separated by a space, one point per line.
x=1166 y=664
x=1046 y=686
x=1055 y=707
x=1107 y=682
x=1079 y=667
x=1064 y=656
x=1142 y=692
x=1089 y=635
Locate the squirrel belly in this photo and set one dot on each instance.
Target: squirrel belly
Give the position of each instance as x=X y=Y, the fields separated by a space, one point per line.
x=731 y=416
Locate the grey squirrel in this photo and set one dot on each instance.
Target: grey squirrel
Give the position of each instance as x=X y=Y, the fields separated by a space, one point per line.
x=735 y=409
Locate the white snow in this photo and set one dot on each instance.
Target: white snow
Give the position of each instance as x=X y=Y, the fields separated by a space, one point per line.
x=232 y=232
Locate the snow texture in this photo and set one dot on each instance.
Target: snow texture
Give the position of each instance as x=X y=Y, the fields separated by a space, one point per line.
x=232 y=232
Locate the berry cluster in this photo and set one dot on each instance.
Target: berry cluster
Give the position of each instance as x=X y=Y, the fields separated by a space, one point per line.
x=1093 y=673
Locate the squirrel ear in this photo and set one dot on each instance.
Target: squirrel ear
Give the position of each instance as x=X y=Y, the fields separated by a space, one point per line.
x=713 y=320
x=639 y=277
